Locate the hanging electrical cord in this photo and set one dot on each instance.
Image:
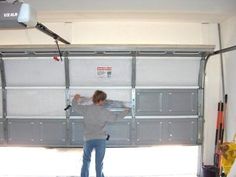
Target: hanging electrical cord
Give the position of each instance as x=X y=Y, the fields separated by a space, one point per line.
x=59 y=51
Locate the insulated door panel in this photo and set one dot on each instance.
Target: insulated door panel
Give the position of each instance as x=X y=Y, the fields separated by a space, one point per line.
x=181 y=131
x=174 y=102
x=34 y=102
x=167 y=71
x=100 y=71
x=149 y=131
x=166 y=131
x=123 y=95
x=37 y=131
x=34 y=72
x=149 y=102
x=52 y=132
x=23 y=132
x=182 y=102
x=112 y=94
x=119 y=133
x=76 y=131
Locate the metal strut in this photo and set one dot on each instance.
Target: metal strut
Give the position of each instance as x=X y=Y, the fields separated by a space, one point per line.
x=221 y=51
x=47 y=31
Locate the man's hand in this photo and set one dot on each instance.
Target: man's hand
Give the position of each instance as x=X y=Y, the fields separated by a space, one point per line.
x=127 y=110
x=77 y=97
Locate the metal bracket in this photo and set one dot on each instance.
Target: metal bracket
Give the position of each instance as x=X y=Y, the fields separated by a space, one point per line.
x=4 y=100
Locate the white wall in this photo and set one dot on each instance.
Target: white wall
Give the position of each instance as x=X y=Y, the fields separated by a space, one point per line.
x=229 y=39
x=34 y=36
x=108 y=32
x=212 y=92
x=136 y=33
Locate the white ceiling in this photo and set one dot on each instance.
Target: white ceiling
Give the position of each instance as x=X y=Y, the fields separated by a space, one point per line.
x=168 y=10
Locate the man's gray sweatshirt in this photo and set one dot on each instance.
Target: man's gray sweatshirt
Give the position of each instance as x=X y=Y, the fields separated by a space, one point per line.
x=95 y=119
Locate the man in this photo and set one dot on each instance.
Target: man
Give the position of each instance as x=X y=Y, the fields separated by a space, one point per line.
x=96 y=118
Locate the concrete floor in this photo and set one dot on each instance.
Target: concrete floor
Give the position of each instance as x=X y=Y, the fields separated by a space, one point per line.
x=160 y=161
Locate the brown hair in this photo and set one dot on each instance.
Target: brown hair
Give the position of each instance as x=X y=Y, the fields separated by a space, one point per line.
x=99 y=96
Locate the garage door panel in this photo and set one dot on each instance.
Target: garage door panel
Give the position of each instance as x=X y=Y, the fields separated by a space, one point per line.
x=1 y=132
x=119 y=132
x=101 y=71
x=150 y=102
x=167 y=71
x=36 y=131
x=181 y=131
x=35 y=102
x=149 y=131
x=166 y=102
x=38 y=71
x=181 y=102
x=52 y=132
x=77 y=129
x=23 y=131
x=122 y=95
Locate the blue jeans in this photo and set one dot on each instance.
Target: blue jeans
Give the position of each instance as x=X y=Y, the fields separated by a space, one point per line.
x=100 y=147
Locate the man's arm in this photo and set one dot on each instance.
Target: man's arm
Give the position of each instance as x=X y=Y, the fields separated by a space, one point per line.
x=75 y=106
x=112 y=117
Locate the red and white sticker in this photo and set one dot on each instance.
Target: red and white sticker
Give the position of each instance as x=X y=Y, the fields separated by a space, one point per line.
x=104 y=71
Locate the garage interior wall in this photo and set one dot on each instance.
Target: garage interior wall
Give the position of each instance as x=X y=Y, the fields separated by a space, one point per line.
x=124 y=32
x=229 y=39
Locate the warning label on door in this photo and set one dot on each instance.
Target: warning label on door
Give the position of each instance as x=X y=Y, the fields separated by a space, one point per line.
x=104 y=71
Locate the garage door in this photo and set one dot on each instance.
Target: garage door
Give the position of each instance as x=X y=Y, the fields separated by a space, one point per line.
x=162 y=84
